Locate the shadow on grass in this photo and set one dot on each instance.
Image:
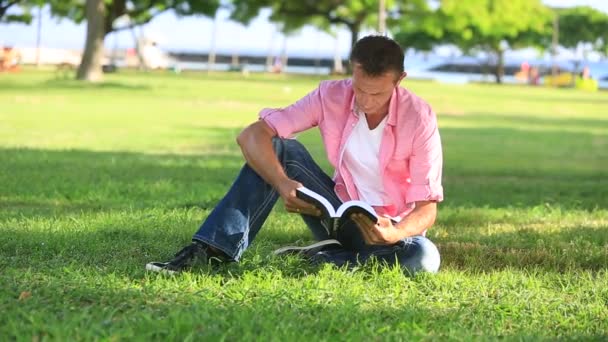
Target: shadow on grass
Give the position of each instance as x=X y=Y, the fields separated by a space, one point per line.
x=124 y=242
x=45 y=183
x=62 y=84
x=73 y=84
x=569 y=249
x=503 y=167
x=483 y=167
x=486 y=168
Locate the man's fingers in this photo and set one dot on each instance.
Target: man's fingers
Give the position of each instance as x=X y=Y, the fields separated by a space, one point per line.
x=301 y=206
x=307 y=210
x=366 y=220
x=362 y=221
x=372 y=232
x=362 y=225
x=368 y=236
x=298 y=203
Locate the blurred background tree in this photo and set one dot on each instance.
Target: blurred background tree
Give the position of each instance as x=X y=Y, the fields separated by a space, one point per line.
x=582 y=25
x=490 y=26
x=101 y=16
x=355 y=15
x=473 y=26
x=20 y=10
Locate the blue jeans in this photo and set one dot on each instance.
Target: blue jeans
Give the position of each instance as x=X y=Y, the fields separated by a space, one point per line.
x=236 y=220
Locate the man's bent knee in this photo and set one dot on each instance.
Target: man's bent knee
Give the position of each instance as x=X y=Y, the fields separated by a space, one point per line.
x=281 y=144
x=287 y=149
x=426 y=258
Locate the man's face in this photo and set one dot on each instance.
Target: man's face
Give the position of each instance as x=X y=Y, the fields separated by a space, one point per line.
x=373 y=93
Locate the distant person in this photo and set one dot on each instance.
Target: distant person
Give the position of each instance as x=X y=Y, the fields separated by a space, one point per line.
x=382 y=141
x=534 y=78
x=523 y=75
x=9 y=59
x=277 y=66
x=586 y=73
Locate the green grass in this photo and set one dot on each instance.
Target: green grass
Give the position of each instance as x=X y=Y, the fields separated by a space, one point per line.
x=97 y=180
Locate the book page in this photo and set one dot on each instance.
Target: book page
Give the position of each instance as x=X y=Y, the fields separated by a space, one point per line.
x=351 y=207
x=319 y=201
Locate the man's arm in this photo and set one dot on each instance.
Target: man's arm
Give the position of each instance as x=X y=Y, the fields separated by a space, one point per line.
x=385 y=233
x=420 y=219
x=256 y=144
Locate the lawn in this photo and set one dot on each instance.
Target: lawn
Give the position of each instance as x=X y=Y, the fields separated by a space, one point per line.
x=97 y=180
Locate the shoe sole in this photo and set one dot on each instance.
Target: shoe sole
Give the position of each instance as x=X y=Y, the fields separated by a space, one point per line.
x=297 y=249
x=152 y=267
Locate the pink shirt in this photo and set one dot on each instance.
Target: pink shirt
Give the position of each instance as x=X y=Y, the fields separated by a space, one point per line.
x=410 y=152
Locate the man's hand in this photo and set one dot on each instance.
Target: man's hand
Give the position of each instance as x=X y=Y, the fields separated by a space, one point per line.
x=287 y=191
x=385 y=233
x=381 y=233
x=256 y=144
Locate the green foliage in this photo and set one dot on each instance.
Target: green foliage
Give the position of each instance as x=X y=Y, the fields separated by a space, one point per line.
x=583 y=24
x=487 y=25
x=98 y=179
x=138 y=11
x=21 y=10
x=422 y=32
x=354 y=14
x=70 y=9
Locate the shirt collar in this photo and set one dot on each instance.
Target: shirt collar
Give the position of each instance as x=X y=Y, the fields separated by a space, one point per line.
x=392 y=107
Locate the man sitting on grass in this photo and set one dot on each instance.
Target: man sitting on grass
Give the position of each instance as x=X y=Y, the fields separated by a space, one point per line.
x=382 y=141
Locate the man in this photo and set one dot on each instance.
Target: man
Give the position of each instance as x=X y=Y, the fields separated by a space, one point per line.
x=384 y=145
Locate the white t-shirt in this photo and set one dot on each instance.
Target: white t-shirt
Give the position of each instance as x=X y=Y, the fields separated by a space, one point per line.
x=361 y=158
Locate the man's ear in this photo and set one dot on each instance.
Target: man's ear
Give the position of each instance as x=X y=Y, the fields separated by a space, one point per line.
x=403 y=75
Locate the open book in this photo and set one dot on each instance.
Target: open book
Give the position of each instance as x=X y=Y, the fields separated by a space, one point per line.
x=343 y=212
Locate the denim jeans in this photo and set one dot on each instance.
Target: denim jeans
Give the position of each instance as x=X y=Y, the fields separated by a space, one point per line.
x=236 y=220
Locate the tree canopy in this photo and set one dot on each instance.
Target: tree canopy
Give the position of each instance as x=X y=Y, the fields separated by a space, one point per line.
x=583 y=24
x=101 y=16
x=491 y=26
x=19 y=11
x=138 y=11
x=355 y=15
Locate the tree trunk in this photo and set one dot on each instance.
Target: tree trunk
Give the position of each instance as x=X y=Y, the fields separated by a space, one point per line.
x=90 y=68
x=270 y=56
x=499 y=70
x=354 y=36
x=139 y=45
x=338 y=67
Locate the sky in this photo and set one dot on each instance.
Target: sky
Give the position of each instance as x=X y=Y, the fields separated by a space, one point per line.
x=196 y=34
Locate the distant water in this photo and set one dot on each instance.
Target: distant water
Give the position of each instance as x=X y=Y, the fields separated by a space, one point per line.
x=253 y=68
x=419 y=67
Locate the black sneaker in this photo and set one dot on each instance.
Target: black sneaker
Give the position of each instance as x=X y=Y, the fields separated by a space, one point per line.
x=310 y=250
x=188 y=256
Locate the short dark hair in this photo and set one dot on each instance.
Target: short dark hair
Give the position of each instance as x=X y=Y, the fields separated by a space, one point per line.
x=377 y=55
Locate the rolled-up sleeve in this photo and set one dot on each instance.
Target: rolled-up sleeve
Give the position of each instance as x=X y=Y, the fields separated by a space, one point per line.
x=426 y=162
x=300 y=116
